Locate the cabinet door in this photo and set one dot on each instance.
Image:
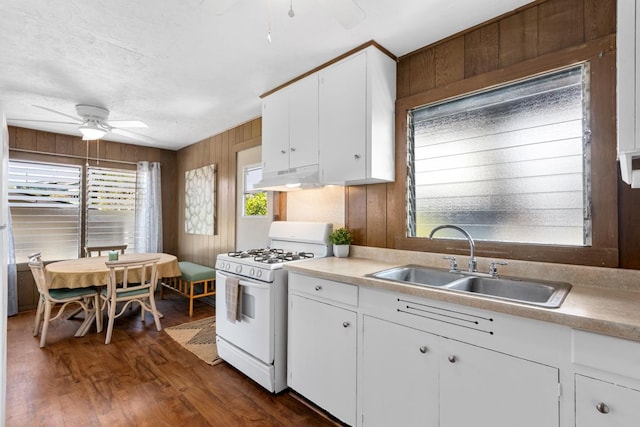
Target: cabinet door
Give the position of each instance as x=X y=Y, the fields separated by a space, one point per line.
x=400 y=375
x=343 y=112
x=275 y=132
x=486 y=388
x=602 y=404
x=303 y=114
x=322 y=355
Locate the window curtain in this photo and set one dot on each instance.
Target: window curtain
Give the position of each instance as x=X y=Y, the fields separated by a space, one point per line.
x=12 y=275
x=148 y=236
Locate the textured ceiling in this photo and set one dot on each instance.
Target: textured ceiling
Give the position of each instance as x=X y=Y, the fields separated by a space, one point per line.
x=184 y=68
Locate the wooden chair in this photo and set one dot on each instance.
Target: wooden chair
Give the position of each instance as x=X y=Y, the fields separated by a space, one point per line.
x=130 y=281
x=87 y=298
x=90 y=250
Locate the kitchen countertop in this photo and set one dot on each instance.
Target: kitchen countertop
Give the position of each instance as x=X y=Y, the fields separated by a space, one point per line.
x=603 y=309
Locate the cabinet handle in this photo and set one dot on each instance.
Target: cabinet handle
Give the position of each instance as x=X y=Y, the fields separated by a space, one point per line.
x=283 y=151
x=356 y=156
x=452 y=359
x=423 y=349
x=318 y=287
x=602 y=408
x=345 y=324
x=292 y=149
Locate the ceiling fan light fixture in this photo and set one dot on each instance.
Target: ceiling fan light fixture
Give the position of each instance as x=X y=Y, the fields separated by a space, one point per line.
x=91 y=131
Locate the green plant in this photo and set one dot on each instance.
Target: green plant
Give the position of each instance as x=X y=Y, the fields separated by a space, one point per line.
x=256 y=204
x=340 y=236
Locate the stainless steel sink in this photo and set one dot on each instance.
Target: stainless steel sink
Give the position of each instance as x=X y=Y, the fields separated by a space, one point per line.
x=418 y=275
x=539 y=293
x=545 y=294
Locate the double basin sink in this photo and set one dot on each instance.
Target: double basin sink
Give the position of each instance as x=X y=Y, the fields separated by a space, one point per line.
x=538 y=293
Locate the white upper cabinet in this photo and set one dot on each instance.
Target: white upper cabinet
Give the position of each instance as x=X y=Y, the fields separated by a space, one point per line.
x=290 y=127
x=275 y=132
x=335 y=126
x=357 y=104
x=628 y=77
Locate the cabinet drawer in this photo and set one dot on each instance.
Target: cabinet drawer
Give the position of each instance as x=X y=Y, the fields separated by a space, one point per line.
x=322 y=288
x=615 y=355
x=603 y=404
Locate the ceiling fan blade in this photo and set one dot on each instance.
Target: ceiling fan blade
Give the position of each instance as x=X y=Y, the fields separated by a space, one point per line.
x=346 y=12
x=127 y=124
x=133 y=135
x=42 y=121
x=77 y=119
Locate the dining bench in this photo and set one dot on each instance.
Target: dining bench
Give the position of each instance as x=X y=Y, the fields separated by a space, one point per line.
x=196 y=281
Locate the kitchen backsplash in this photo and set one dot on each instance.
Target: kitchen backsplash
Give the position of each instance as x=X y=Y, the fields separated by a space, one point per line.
x=325 y=204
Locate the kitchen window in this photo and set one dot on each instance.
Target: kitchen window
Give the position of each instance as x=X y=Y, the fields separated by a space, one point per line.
x=111 y=207
x=46 y=202
x=509 y=164
x=254 y=201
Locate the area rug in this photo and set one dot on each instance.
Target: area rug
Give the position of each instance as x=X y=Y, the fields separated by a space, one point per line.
x=199 y=337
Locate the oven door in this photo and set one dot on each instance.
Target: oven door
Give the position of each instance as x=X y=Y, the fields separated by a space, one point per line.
x=254 y=333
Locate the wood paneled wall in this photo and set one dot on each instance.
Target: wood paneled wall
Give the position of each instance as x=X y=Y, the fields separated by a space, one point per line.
x=543 y=29
x=29 y=144
x=219 y=150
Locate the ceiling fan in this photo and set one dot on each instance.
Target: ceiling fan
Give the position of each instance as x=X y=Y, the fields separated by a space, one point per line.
x=93 y=123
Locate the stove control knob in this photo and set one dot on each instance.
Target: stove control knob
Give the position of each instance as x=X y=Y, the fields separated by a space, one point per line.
x=252 y=272
x=259 y=274
x=238 y=268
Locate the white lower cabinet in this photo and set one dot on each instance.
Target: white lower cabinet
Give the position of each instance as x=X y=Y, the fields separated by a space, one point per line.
x=607 y=380
x=322 y=355
x=414 y=378
x=487 y=388
x=604 y=404
x=372 y=357
x=400 y=375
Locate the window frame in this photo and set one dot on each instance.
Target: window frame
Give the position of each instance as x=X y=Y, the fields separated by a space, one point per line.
x=71 y=160
x=483 y=101
x=38 y=165
x=604 y=247
x=246 y=192
x=90 y=200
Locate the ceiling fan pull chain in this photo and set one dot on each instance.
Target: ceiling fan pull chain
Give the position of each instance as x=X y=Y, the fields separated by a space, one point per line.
x=269 y=20
x=291 y=12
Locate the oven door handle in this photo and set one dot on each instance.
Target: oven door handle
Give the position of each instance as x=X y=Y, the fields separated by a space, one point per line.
x=253 y=285
x=244 y=282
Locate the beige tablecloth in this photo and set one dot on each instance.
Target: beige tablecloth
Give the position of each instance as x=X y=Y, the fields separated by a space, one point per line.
x=92 y=271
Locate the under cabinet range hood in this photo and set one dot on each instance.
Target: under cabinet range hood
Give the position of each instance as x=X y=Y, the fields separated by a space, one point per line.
x=292 y=179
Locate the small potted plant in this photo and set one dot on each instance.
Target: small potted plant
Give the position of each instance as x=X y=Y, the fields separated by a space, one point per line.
x=341 y=239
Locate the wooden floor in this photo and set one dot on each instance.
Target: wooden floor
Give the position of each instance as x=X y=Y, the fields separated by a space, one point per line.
x=142 y=378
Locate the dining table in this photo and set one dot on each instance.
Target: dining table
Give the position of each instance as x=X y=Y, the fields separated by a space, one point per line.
x=93 y=271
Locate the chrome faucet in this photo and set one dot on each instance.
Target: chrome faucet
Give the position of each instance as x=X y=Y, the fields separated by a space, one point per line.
x=472 y=245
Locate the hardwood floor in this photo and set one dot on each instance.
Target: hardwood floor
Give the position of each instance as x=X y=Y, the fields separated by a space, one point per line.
x=142 y=378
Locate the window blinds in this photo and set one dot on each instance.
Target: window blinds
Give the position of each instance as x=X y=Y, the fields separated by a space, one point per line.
x=45 y=207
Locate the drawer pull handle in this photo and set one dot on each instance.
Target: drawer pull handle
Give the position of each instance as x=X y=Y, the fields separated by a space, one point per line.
x=318 y=287
x=452 y=359
x=345 y=324
x=423 y=349
x=602 y=408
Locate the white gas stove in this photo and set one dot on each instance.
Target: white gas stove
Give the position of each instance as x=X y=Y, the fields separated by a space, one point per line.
x=256 y=343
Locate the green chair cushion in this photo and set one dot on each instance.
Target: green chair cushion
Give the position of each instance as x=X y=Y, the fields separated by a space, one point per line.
x=71 y=293
x=195 y=273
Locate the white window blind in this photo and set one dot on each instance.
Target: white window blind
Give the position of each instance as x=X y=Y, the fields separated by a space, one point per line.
x=509 y=164
x=44 y=200
x=111 y=203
